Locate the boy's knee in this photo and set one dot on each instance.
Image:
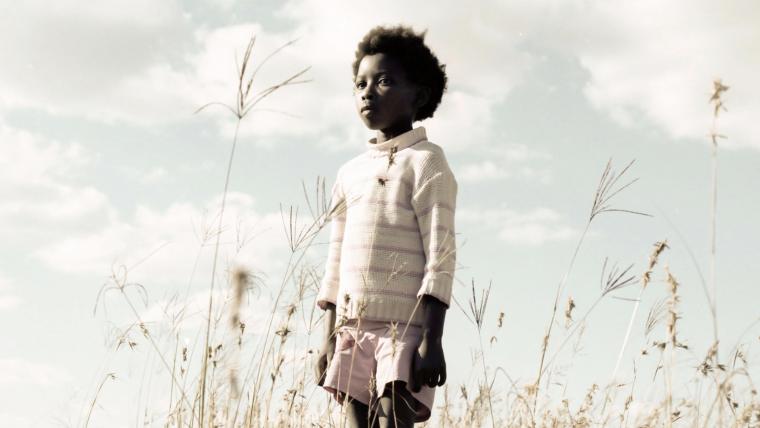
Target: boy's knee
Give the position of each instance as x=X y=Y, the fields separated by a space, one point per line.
x=396 y=406
x=398 y=388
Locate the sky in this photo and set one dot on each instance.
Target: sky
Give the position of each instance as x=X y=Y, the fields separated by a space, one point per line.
x=104 y=162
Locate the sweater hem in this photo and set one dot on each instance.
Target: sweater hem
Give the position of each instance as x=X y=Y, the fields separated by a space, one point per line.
x=382 y=307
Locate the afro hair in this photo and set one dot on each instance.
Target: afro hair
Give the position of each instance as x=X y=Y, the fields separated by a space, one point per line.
x=418 y=61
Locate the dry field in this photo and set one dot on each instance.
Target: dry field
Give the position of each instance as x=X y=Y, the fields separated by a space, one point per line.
x=240 y=375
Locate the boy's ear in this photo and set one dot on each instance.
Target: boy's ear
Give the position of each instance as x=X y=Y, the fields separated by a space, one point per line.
x=423 y=95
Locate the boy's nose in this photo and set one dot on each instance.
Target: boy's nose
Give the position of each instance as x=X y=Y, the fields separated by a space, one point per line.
x=368 y=92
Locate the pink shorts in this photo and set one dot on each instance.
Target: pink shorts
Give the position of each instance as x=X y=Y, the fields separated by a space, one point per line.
x=375 y=364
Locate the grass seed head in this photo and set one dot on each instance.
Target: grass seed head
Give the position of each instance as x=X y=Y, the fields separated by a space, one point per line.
x=569 y=311
x=394 y=338
x=240 y=280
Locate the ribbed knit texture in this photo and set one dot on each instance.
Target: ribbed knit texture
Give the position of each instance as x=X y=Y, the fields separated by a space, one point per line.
x=392 y=237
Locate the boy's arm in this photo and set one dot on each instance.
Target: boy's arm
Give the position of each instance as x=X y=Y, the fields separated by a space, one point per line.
x=435 y=316
x=429 y=363
x=329 y=321
x=328 y=290
x=328 y=345
x=434 y=203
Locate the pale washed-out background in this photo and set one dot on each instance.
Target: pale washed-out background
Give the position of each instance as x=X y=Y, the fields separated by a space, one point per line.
x=102 y=161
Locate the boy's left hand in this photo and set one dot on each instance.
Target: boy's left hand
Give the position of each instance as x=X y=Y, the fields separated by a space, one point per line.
x=428 y=365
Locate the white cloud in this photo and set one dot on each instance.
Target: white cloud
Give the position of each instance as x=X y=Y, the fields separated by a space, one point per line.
x=644 y=57
x=533 y=228
x=169 y=242
x=38 y=181
x=482 y=171
x=193 y=311
x=146 y=175
x=7 y=300
x=659 y=59
x=462 y=121
x=66 y=58
x=478 y=45
x=77 y=61
x=485 y=62
x=153 y=175
x=15 y=372
x=5 y=283
x=15 y=420
x=505 y=161
x=30 y=160
x=321 y=111
x=159 y=82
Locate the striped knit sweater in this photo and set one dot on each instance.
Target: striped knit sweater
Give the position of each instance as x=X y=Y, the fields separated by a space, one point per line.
x=392 y=235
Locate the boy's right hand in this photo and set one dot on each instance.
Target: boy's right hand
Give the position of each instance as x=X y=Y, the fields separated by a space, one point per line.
x=323 y=360
x=328 y=346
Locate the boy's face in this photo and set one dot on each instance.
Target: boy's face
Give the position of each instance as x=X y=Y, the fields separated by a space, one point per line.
x=384 y=98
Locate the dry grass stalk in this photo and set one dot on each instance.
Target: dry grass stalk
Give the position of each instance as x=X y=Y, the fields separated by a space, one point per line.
x=659 y=247
x=717 y=101
x=602 y=197
x=673 y=310
x=476 y=412
x=616 y=280
x=118 y=279
x=477 y=311
x=293 y=262
x=111 y=376
x=259 y=408
x=240 y=281
x=569 y=311
x=582 y=419
x=673 y=341
x=246 y=100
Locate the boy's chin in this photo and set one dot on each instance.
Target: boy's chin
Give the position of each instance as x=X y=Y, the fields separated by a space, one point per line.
x=371 y=124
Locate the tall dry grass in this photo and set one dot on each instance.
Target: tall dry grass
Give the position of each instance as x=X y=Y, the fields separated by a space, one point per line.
x=239 y=375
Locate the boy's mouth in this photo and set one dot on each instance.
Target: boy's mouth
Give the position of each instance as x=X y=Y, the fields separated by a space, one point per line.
x=367 y=107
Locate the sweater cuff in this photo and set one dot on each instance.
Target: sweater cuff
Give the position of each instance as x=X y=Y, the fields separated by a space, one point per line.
x=328 y=293
x=438 y=285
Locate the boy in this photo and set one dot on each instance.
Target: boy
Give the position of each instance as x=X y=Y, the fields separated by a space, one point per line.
x=391 y=258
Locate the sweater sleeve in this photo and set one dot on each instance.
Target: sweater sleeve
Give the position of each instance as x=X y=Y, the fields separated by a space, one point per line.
x=434 y=203
x=328 y=290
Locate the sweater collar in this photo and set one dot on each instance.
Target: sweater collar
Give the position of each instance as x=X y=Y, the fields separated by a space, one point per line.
x=400 y=142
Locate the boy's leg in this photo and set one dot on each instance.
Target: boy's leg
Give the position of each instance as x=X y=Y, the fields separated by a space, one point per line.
x=396 y=407
x=357 y=414
x=352 y=371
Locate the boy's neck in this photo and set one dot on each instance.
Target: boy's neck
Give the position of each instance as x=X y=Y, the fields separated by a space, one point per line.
x=384 y=135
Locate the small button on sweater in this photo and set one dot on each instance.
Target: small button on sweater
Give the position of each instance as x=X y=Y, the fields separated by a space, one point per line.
x=392 y=237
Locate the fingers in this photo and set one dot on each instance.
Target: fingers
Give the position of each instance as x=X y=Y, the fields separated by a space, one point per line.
x=320 y=369
x=428 y=377
x=432 y=379
x=423 y=375
x=319 y=372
